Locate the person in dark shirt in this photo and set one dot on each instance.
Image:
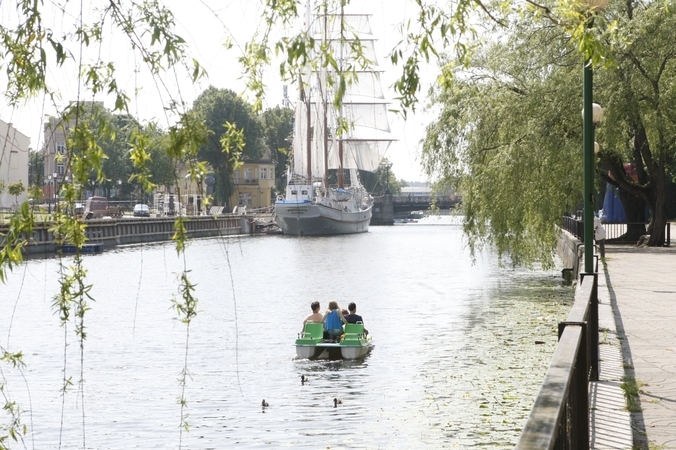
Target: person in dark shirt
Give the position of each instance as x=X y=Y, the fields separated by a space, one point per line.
x=353 y=317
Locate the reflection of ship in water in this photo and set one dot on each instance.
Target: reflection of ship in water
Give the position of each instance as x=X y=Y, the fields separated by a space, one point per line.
x=335 y=140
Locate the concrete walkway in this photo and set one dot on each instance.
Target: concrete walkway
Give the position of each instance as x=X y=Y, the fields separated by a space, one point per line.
x=637 y=313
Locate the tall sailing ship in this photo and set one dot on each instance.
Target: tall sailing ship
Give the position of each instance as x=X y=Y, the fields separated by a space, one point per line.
x=336 y=141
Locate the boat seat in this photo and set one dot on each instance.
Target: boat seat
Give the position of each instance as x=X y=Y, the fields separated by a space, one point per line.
x=354 y=328
x=313 y=332
x=354 y=333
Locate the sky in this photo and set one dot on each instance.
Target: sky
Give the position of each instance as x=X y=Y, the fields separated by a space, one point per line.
x=205 y=25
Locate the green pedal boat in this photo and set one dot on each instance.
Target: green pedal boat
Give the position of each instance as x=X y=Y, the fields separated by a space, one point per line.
x=353 y=344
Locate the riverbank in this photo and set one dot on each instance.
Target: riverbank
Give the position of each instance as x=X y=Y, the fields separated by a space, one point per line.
x=127 y=230
x=636 y=292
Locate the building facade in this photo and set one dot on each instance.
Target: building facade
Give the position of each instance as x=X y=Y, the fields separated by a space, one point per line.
x=14 y=157
x=55 y=149
x=254 y=183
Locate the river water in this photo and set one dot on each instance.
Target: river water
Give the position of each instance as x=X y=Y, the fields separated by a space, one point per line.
x=455 y=363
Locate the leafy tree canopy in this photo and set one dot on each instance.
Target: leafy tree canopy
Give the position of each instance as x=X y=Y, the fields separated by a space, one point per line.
x=220 y=108
x=383 y=180
x=509 y=133
x=16 y=188
x=278 y=129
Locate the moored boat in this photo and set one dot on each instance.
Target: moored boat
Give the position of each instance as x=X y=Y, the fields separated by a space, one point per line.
x=335 y=139
x=86 y=248
x=353 y=344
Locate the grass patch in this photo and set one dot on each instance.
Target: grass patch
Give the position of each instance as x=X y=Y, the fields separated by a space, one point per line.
x=631 y=392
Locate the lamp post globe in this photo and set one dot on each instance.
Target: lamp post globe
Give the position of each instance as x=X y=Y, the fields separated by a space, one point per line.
x=597 y=113
x=49 y=194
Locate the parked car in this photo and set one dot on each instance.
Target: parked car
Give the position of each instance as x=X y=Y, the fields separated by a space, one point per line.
x=141 y=210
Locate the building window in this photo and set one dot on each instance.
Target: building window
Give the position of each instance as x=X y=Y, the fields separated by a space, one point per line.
x=247 y=174
x=61 y=148
x=264 y=173
x=61 y=168
x=245 y=199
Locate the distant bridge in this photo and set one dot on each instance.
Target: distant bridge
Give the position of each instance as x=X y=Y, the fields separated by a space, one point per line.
x=405 y=203
x=388 y=207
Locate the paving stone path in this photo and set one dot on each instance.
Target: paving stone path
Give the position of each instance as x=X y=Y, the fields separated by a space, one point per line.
x=637 y=313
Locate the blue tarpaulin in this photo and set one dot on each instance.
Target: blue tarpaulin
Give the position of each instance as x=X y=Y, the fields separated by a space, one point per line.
x=612 y=206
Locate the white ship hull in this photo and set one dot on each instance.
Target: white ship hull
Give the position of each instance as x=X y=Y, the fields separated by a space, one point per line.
x=311 y=219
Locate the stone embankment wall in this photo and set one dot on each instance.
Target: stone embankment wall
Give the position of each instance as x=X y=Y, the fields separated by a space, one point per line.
x=114 y=232
x=571 y=252
x=383 y=210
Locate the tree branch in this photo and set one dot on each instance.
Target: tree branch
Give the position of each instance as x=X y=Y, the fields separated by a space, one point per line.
x=546 y=11
x=488 y=13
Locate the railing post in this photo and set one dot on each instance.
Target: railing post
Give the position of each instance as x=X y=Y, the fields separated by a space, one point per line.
x=594 y=331
x=668 y=234
x=574 y=431
x=580 y=397
x=593 y=328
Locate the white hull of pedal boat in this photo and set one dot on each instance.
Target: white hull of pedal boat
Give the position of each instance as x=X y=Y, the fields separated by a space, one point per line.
x=356 y=352
x=319 y=351
x=353 y=345
x=333 y=351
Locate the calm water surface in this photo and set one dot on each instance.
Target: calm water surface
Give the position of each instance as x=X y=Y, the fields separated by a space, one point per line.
x=455 y=363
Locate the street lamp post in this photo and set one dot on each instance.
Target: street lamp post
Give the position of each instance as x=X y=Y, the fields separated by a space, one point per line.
x=49 y=194
x=591 y=115
x=54 y=192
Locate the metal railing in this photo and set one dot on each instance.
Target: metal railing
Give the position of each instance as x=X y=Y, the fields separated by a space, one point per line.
x=617 y=232
x=560 y=416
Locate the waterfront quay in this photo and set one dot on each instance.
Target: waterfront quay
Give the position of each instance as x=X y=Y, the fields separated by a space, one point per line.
x=639 y=296
x=127 y=230
x=611 y=383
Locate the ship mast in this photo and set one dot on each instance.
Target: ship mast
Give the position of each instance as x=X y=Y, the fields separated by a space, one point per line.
x=341 y=179
x=308 y=135
x=325 y=100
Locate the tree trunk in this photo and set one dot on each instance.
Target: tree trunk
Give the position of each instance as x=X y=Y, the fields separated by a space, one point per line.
x=650 y=168
x=634 y=210
x=658 y=219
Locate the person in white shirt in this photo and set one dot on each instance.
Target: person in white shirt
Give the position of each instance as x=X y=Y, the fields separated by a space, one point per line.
x=600 y=236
